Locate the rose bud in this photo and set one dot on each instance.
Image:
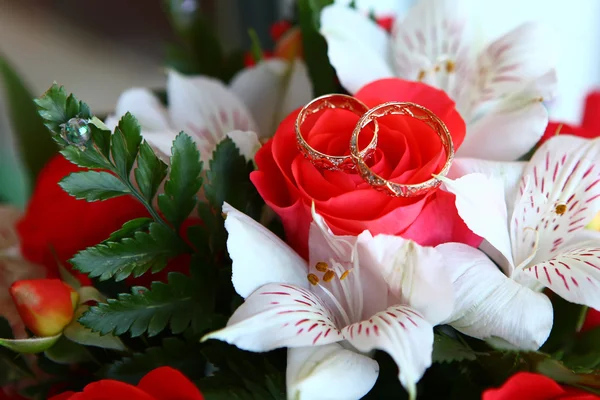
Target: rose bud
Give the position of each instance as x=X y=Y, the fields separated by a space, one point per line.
x=46 y=306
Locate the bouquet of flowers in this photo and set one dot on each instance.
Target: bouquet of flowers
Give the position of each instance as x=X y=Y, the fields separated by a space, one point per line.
x=375 y=209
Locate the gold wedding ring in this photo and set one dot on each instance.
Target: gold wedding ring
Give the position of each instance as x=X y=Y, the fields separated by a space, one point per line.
x=415 y=111
x=326 y=161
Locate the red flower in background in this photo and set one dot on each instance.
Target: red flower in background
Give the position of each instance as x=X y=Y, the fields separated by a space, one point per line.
x=530 y=386
x=408 y=151
x=56 y=225
x=163 y=383
x=590 y=123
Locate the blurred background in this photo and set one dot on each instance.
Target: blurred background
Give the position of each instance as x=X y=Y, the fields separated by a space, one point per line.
x=98 y=48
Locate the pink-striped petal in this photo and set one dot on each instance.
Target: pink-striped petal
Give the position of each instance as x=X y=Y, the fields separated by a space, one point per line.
x=512 y=61
x=430 y=44
x=277 y=316
x=401 y=332
x=574 y=275
x=564 y=195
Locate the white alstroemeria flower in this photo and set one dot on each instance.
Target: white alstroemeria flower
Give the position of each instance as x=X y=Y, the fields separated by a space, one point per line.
x=532 y=217
x=249 y=109
x=355 y=295
x=498 y=89
x=12 y=267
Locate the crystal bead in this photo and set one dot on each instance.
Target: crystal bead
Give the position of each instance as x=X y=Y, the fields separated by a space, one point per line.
x=76 y=131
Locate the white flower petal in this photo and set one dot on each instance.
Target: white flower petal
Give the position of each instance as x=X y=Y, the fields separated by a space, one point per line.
x=505 y=134
x=509 y=173
x=145 y=106
x=311 y=371
x=480 y=202
x=401 y=332
x=564 y=175
x=430 y=44
x=490 y=305
x=205 y=109
x=259 y=256
x=246 y=142
x=271 y=90
x=416 y=275
x=509 y=63
x=277 y=316
x=162 y=141
x=574 y=275
x=357 y=47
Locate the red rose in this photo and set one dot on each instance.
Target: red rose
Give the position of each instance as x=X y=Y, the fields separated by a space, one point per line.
x=530 y=386
x=408 y=151
x=56 y=225
x=160 y=384
x=590 y=124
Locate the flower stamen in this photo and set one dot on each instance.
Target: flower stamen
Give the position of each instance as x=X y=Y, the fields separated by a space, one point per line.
x=560 y=208
x=313 y=279
x=322 y=266
x=345 y=274
x=328 y=276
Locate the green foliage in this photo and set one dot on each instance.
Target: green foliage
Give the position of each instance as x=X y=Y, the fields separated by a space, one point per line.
x=198 y=50
x=33 y=146
x=181 y=302
x=12 y=366
x=228 y=181
x=132 y=255
x=584 y=353
x=93 y=186
x=56 y=108
x=184 y=181
x=173 y=352
x=567 y=319
x=125 y=144
x=322 y=74
x=243 y=375
x=130 y=228
x=150 y=173
x=447 y=350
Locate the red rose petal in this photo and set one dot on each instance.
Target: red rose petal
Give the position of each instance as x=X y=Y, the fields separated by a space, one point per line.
x=439 y=223
x=591 y=114
x=437 y=101
x=530 y=386
x=166 y=383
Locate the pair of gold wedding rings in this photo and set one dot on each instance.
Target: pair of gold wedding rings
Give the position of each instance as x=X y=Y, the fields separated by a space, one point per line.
x=357 y=160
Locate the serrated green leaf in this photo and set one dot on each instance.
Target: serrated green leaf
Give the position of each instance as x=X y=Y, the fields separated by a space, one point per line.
x=174 y=353
x=52 y=107
x=150 y=171
x=176 y=304
x=125 y=144
x=86 y=159
x=34 y=146
x=93 y=185
x=446 y=349
x=184 y=181
x=322 y=74
x=228 y=180
x=56 y=108
x=131 y=256
x=129 y=228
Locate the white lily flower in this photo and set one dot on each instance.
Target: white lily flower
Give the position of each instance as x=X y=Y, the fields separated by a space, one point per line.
x=249 y=109
x=498 y=89
x=532 y=217
x=355 y=295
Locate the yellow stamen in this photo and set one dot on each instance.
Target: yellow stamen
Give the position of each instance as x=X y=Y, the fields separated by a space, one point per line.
x=322 y=266
x=328 y=276
x=313 y=279
x=345 y=275
x=561 y=209
x=422 y=74
x=437 y=68
x=450 y=66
